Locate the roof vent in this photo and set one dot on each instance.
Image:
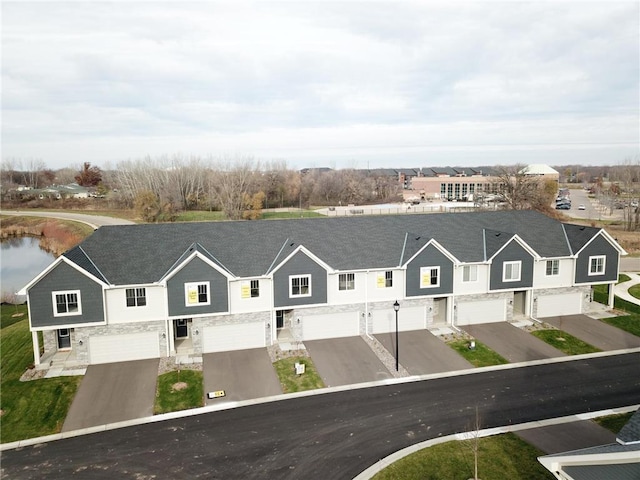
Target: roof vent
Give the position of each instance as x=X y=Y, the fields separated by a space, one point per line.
x=582 y=228
x=498 y=234
x=418 y=238
x=291 y=244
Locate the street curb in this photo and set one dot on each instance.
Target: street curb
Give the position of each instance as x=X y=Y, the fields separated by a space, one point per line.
x=286 y=396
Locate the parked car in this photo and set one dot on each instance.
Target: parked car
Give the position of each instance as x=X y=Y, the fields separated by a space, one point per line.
x=581 y=207
x=563 y=206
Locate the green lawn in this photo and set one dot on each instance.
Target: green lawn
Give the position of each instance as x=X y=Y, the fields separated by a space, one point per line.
x=614 y=422
x=500 y=457
x=200 y=216
x=628 y=323
x=290 y=382
x=179 y=391
x=299 y=214
x=35 y=408
x=565 y=342
x=635 y=291
x=623 y=278
x=481 y=356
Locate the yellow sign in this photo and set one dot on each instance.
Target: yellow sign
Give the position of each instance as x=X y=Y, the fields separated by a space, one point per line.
x=192 y=295
x=216 y=394
x=381 y=280
x=246 y=290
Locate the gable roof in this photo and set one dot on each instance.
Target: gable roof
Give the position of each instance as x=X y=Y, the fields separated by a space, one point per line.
x=132 y=254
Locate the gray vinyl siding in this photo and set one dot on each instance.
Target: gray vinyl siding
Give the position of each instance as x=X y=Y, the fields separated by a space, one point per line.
x=300 y=264
x=64 y=277
x=197 y=271
x=599 y=246
x=429 y=257
x=512 y=253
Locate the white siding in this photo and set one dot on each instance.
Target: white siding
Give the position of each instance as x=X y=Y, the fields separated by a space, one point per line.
x=563 y=279
x=412 y=318
x=118 y=312
x=367 y=289
x=237 y=304
x=481 y=285
x=561 y=304
x=240 y=336
x=484 y=311
x=315 y=327
x=123 y=348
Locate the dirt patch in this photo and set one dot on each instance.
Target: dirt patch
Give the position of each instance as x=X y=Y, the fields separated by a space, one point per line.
x=176 y=387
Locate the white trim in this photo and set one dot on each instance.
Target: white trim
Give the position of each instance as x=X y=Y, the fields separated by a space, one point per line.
x=68 y=325
x=190 y=285
x=590 y=273
x=347 y=282
x=520 y=242
x=55 y=263
x=504 y=271
x=442 y=250
x=187 y=260
x=54 y=300
x=300 y=295
x=427 y=271
x=609 y=238
x=302 y=249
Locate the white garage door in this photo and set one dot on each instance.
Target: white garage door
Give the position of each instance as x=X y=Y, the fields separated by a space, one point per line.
x=561 y=304
x=485 y=311
x=242 y=336
x=124 y=348
x=412 y=318
x=315 y=327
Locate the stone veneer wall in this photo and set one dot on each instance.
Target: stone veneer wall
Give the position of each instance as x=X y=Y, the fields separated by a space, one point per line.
x=50 y=340
x=200 y=323
x=83 y=334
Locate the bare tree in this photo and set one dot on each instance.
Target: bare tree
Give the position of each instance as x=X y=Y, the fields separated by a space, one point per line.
x=230 y=182
x=519 y=190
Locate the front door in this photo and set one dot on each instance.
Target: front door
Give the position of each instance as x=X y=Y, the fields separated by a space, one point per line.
x=64 y=338
x=279 y=319
x=181 y=328
x=519 y=299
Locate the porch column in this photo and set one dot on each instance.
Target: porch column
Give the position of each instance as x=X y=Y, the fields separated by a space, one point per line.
x=611 y=295
x=36 y=348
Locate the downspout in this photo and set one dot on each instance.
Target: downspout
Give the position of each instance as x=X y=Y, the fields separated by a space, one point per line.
x=366 y=305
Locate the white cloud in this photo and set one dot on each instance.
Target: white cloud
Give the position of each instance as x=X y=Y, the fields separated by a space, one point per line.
x=321 y=82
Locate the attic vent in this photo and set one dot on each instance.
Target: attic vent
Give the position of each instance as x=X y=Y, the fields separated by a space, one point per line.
x=418 y=238
x=498 y=234
x=582 y=228
x=291 y=244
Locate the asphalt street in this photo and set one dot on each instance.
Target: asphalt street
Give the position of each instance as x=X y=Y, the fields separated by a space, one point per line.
x=335 y=435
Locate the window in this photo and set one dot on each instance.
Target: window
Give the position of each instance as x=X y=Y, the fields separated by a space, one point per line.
x=255 y=288
x=596 y=265
x=553 y=267
x=511 y=271
x=388 y=279
x=136 y=297
x=196 y=294
x=470 y=273
x=300 y=286
x=429 y=277
x=66 y=303
x=347 y=281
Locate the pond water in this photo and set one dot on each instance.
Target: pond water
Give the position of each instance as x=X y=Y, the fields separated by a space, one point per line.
x=21 y=259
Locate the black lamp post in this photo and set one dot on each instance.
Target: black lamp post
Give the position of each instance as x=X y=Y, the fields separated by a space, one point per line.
x=396 y=307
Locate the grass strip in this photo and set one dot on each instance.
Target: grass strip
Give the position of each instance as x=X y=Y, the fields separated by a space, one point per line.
x=614 y=423
x=628 y=323
x=500 y=456
x=481 y=356
x=34 y=408
x=179 y=390
x=291 y=382
x=635 y=291
x=565 y=342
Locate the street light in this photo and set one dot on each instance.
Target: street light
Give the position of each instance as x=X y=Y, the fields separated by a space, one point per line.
x=396 y=307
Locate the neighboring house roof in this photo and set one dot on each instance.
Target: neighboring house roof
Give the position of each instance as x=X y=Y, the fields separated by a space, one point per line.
x=538 y=169
x=630 y=433
x=136 y=254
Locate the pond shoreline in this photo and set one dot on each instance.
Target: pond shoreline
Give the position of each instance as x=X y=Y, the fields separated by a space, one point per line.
x=56 y=236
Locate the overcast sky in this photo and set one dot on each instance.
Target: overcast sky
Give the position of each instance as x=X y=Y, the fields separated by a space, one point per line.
x=341 y=84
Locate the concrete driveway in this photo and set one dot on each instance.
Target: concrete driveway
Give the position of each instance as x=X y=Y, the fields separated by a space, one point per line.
x=512 y=343
x=242 y=374
x=114 y=392
x=345 y=361
x=422 y=353
x=565 y=437
x=595 y=332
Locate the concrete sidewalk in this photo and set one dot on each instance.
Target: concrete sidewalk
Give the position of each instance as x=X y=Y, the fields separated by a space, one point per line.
x=622 y=289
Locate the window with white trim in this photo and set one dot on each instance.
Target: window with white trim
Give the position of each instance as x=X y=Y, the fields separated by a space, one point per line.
x=66 y=303
x=300 y=286
x=553 y=267
x=470 y=273
x=196 y=293
x=429 y=277
x=347 y=281
x=511 y=271
x=136 y=297
x=597 y=264
x=255 y=288
x=388 y=279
